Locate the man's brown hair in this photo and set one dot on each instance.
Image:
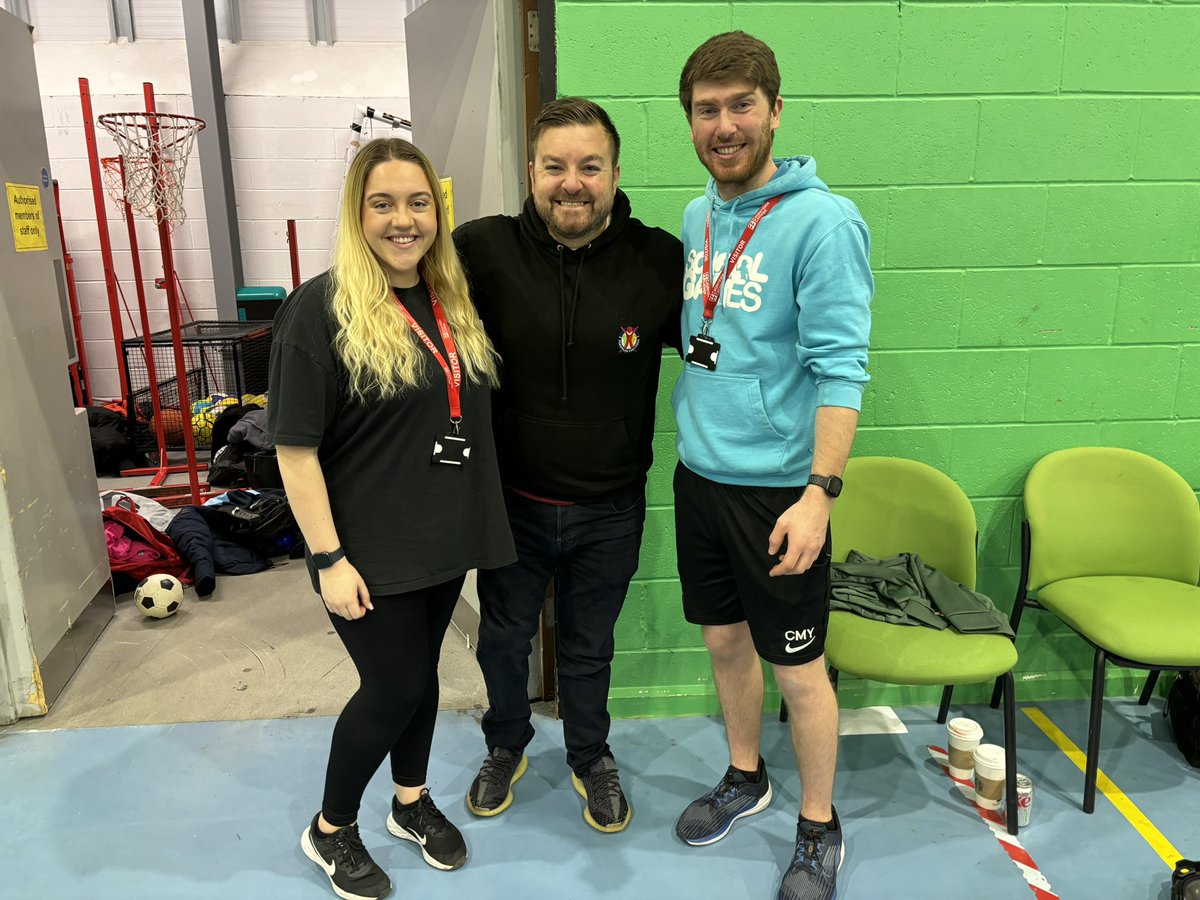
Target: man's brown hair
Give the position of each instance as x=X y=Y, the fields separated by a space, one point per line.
x=573 y=111
x=732 y=56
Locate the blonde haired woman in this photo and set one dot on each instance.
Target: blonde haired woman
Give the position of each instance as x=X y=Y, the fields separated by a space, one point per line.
x=380 y=409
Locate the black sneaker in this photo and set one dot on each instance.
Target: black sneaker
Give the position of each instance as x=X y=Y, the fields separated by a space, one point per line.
x=607 y=809
x=441 y=843
x=707 y=820
x=342 y=856
x=819 y=854
x=491 y=791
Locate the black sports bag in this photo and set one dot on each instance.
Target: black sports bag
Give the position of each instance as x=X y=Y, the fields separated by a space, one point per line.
x=1183 y=707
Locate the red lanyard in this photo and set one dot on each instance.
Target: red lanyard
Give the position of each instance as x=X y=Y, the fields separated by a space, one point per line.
x=452 y=369
x=712 y=294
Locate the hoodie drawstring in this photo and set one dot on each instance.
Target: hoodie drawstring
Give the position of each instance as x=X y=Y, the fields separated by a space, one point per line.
x=567 y=320
x=562 y=321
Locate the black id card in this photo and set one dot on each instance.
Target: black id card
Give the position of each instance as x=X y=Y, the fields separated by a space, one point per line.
x=451 y=450
x=702 y=352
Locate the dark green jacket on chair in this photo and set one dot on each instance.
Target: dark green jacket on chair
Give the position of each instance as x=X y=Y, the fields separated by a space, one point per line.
x=905 y=591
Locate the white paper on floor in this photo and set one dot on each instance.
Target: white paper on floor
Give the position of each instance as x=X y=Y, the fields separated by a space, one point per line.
x=870 y=720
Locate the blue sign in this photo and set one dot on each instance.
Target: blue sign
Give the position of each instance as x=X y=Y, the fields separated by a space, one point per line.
x=45 y=177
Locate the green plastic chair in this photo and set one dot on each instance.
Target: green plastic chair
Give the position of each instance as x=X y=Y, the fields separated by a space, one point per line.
x=1111 y=545
x=891 y=506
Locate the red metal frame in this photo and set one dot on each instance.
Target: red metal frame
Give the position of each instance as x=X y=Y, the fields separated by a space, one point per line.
x=293 y=252
x=79 y=370
x=110 y=276
x=168 y=262
x=175 y=493
x=160 y=432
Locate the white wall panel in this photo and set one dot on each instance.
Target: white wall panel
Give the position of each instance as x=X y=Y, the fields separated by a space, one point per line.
x=70 y=20
x=274 y=20
x=157 y=19
x=374 y=22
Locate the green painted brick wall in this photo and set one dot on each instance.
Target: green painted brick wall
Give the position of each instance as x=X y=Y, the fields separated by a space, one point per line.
x=1030 y=174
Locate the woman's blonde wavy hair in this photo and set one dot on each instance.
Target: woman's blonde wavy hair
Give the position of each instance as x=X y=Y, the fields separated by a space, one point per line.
x=380 y=351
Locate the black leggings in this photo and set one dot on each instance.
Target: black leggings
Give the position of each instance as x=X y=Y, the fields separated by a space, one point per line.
x=395 y=648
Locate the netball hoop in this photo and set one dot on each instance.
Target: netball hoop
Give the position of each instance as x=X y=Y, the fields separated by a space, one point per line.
x=147 y=178
x=154 y=148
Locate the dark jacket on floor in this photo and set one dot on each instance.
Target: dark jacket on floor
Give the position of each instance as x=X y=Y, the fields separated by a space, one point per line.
x=581 y=334
x=209 y=553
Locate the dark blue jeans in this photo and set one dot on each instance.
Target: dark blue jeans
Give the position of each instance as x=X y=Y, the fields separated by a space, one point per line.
x=592 y=552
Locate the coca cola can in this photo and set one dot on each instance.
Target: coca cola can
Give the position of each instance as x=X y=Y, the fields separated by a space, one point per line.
x=1024 y=800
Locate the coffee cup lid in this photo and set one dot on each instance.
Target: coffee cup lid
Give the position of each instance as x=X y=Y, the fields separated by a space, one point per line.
x=965 y=728
x=990 y=755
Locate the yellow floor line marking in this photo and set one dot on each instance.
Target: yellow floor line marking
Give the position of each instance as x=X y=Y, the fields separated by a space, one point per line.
x=1126 y=807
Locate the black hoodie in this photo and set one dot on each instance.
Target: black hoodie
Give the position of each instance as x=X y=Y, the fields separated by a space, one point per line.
x=581 y=335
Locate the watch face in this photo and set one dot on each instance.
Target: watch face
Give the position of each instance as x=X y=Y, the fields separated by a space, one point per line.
x=830 y=484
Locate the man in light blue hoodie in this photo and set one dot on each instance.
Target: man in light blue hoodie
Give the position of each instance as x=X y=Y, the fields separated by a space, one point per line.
x=776 y=302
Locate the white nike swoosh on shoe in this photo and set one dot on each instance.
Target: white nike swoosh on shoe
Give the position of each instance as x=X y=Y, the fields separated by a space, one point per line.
x=310 y=850
x=419 y=838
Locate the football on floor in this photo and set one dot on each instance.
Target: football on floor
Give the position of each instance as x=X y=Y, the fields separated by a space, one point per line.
x=158 y=596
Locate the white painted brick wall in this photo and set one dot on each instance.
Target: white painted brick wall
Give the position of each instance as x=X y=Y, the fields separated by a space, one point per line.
x=289 y=107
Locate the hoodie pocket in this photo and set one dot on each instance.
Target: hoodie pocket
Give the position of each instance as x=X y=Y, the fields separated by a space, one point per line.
x=576 y=458
x=724 y=426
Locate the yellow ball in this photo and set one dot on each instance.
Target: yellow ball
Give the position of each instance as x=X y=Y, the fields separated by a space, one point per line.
x=254 y=400
x=202 y=424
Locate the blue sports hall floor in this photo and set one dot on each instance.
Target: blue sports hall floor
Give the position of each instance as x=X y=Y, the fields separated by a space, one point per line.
x=214 y=810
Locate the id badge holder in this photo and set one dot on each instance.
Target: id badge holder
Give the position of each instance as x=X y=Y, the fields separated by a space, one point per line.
x=451 y=450
x=702 y=352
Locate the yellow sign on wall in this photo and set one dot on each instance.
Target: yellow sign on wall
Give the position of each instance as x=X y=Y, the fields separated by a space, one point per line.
x=448 y=197
x=25 y=213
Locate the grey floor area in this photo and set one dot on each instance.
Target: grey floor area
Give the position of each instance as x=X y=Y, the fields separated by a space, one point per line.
x=261 y=647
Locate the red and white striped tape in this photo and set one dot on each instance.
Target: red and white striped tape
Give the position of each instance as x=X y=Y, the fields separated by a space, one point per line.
x=1019 y=855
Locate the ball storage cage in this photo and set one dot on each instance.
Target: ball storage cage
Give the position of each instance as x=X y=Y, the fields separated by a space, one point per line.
x=222 y=359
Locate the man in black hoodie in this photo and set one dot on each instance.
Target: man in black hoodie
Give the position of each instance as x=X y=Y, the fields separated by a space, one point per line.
x=579 y=299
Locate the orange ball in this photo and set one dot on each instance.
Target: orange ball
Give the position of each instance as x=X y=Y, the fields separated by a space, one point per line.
x=172 y=421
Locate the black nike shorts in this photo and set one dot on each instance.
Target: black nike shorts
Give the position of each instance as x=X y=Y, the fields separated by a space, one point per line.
x=721 y=533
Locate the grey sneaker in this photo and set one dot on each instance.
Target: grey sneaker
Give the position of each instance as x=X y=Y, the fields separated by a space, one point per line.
x=352 y=873
x=491 y=791
x=607 y=809
x=707 y=820
x=815 y=864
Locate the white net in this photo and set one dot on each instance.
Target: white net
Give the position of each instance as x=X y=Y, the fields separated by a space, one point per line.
x=154 y=153
x=113 y=175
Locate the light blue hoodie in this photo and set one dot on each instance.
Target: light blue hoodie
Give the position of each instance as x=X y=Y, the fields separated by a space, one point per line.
x=793 y=325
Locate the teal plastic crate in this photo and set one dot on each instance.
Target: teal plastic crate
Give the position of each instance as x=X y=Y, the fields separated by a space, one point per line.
x=258 y=304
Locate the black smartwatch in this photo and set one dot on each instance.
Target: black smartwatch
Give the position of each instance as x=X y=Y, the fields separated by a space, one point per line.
x=325 y=560
x=830 y=484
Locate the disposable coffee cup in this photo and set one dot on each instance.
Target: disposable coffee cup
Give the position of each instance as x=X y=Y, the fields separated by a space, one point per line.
x=964 y=737
x=989 y=775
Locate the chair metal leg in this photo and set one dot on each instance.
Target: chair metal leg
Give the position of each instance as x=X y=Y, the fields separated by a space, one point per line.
x=947 y=693
x=1093 y=747
x=833 y=678
x=997 y=693
x=1148 y=690
x=1020 y=601
x=783 y=710
x=1010 y=752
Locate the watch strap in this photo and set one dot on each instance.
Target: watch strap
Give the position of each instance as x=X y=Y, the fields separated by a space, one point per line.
x=325 y=560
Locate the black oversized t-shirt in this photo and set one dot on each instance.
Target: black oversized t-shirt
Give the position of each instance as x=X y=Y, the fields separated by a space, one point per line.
x=405 y=522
